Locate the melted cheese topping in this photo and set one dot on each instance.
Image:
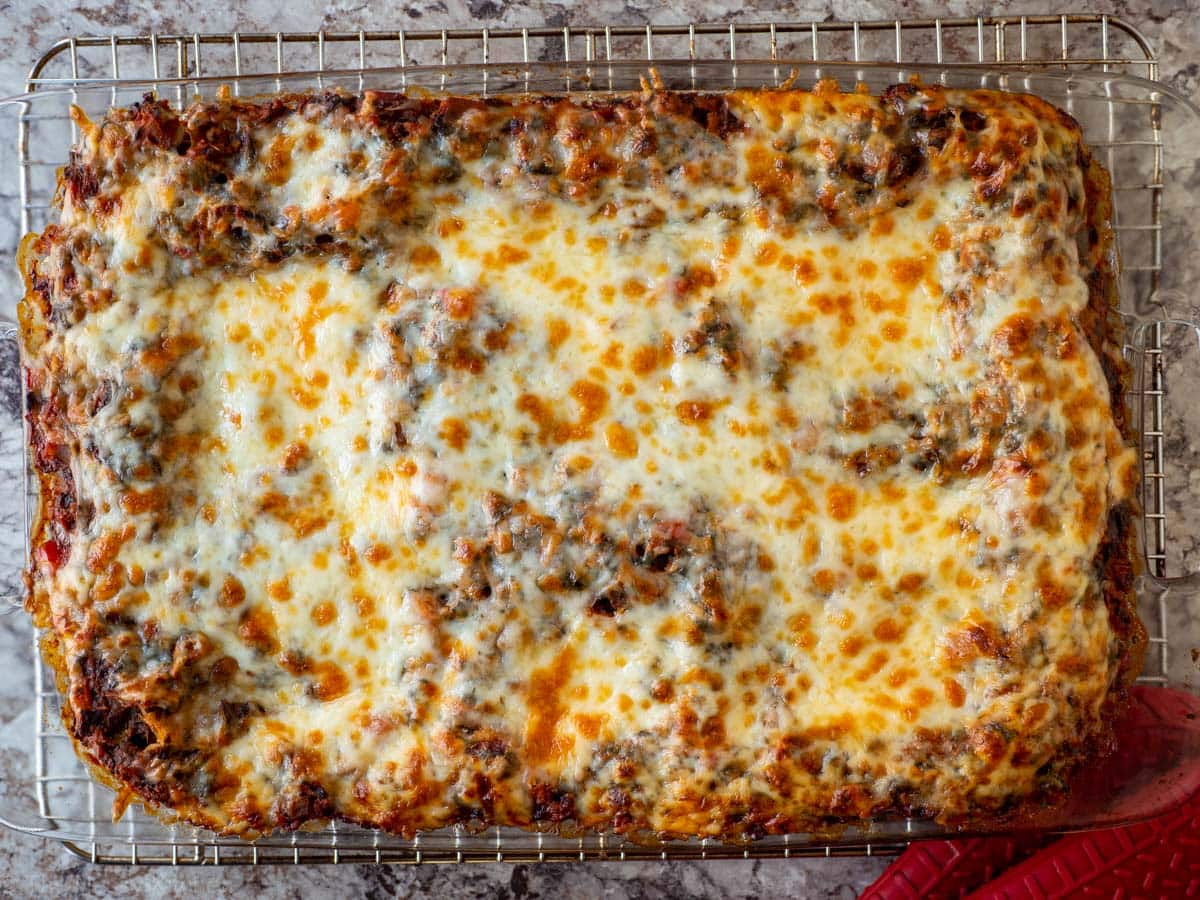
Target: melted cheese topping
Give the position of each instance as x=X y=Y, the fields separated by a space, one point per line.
x=615 y=505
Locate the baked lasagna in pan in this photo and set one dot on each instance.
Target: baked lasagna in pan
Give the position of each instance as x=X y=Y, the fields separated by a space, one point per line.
x=673 y=463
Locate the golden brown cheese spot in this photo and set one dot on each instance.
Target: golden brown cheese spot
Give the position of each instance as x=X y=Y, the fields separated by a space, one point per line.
x=329 y=682
x=800 y=628
x=589 y=725
x=377 y=553
x=875 y=663
x=137 y=502
x=611 y=357
x=316 y=313
x=620 y=440
x=302 y=519
x=988 y=744
x=162 y=355
x=634 y=288
x=805 y=271
x=646 y=359
x=305 y=398
x=963 y=645
x=592 y=400
x=766 y=254
x=460 y=304
x=694 y=412
x=345 y=214
x=712 y=732
x=455 y=432
x=258 y=629
x=423 y=255
x=277 y=161
x=662 y=690
x=826 y=581
x=841 y=502
x=111 y=580
x=557 y=331
x=837 y=727
x=1014 y=335
x=105 y=548
x=851 y=646
x=546 y=708
x=907 y=272
x=883 y=225
x=888 y=631
x=450 y=226
x=280 y=590
x=295 y=456
x=324 y=613
x=364 y=605
x=541 y=413
x=232 y=593
x=955 y=695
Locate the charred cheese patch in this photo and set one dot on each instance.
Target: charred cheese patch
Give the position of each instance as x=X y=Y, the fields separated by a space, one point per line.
x=709 y=465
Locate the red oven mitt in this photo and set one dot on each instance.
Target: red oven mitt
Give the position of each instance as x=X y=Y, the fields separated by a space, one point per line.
x=937 y=869
x=1153 y=775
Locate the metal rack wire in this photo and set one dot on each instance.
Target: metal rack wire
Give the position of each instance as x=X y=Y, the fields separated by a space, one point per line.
x=69 y=801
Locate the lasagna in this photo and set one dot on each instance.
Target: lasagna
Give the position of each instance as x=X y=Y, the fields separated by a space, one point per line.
x=672 y=464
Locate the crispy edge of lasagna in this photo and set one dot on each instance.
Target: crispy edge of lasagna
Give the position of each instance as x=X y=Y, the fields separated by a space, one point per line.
x=111 y=739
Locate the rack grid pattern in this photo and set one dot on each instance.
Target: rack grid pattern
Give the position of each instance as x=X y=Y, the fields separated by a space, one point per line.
x=70 y=801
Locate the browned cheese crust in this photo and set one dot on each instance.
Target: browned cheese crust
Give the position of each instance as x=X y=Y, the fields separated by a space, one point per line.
x=635 y=554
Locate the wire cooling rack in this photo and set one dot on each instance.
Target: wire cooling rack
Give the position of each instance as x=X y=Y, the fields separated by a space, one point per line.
x=69 y=803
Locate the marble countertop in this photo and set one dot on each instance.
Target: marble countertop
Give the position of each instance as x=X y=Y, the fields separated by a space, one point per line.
x=35 y=867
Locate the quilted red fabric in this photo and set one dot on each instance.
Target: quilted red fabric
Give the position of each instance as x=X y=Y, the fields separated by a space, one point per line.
x=1159 y=858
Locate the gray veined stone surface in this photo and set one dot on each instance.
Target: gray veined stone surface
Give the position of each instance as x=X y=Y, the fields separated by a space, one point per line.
x=33 y=867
